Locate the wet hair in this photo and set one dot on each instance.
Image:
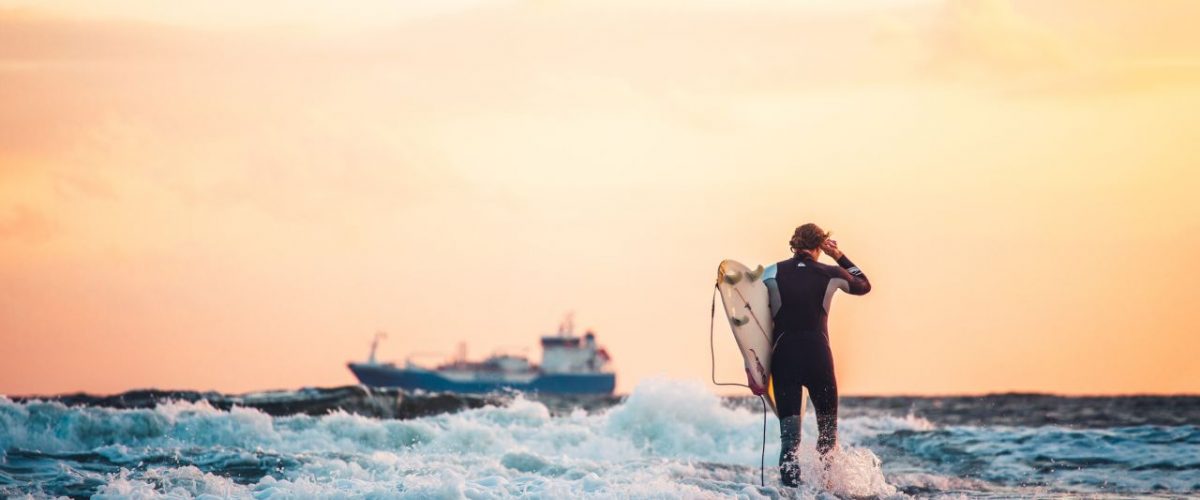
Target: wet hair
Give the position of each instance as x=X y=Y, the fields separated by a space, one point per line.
x=808 y=237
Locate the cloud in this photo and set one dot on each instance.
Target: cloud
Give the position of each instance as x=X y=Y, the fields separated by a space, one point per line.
x=1115 y=78
x=82 y=184
x=991 y=35
x=25 y=224
x=1038 y=49
x=281 y=120
x=972 y=39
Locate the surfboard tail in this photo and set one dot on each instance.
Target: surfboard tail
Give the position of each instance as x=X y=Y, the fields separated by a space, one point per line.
x=758 y=385
x=755 y=387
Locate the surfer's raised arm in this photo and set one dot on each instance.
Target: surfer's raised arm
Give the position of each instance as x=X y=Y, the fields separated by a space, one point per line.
x=856 y=282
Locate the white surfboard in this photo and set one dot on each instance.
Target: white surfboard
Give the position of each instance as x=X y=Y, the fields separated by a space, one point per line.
x=747 y=304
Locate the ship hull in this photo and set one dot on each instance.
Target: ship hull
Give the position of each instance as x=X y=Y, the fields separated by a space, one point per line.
x=553 y=383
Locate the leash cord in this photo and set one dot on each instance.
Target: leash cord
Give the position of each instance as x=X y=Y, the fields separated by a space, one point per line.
x=712 y=352
x=762 y=463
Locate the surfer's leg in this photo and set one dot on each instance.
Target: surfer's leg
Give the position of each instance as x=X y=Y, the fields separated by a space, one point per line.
x=824 y=394
x=788 y=393
x=826 y=405
x=789 y=437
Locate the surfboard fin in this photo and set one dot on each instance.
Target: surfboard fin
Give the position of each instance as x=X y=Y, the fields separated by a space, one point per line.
x=739 y=320
x=734 y=278
x=755 y=274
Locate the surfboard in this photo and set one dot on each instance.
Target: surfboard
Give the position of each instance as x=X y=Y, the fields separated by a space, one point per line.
x=746 y=302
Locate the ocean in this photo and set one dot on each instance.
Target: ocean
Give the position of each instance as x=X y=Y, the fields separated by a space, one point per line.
x=666 y=439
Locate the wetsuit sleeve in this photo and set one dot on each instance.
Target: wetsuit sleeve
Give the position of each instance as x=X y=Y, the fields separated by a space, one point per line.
x=856 y=282
x=773 y=298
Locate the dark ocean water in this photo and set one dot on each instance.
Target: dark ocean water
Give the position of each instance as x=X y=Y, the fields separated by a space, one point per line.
x=668 y=439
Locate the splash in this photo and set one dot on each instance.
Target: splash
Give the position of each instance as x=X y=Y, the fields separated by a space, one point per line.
x=668 y=439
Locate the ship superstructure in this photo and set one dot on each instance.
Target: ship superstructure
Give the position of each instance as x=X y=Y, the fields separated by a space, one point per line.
x=570 y=365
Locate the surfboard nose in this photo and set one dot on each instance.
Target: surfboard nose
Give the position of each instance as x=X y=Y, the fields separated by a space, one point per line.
x=733 y=278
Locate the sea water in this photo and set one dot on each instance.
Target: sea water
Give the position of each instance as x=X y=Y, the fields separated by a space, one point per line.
x=667 y=439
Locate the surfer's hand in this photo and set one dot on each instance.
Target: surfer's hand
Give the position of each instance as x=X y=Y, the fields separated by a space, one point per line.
x=831 y=249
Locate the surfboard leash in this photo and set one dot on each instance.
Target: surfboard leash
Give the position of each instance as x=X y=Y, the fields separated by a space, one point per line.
x=712 y=349
x=762 y=460
x=712 y=352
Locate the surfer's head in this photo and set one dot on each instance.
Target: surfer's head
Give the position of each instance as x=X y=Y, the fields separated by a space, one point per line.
x=808 y=238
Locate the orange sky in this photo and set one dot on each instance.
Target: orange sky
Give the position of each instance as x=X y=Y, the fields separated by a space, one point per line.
x=211 y=197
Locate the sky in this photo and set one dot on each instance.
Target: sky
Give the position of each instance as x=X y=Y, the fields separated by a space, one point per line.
x=236 y=197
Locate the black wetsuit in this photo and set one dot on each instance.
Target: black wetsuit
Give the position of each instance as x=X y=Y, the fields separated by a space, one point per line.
x=801 y=291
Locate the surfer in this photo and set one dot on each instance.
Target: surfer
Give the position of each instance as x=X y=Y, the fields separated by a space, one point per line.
x=800 y=291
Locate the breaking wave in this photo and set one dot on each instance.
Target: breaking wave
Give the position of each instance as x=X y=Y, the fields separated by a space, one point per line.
x=668 y=439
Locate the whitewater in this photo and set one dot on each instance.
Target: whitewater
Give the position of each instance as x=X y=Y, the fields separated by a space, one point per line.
x=667 y=439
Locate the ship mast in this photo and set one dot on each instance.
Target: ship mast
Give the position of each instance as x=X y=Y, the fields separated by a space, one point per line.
x=567 y=327
x=375 y=345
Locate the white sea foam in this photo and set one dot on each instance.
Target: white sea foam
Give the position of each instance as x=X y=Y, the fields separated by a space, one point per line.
x=669 y=439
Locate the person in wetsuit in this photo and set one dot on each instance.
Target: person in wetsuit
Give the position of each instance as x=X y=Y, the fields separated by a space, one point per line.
x=801 y=290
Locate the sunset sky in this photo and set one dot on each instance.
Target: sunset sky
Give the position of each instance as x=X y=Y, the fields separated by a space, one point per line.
x=236 y=195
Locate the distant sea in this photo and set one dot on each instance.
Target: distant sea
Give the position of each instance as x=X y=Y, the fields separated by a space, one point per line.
x=667 y=439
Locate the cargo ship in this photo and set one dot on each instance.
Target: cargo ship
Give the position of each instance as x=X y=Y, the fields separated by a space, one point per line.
x=570 y=364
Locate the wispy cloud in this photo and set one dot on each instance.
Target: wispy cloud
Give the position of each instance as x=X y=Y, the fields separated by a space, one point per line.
x=25 y=224
x=1066 y=49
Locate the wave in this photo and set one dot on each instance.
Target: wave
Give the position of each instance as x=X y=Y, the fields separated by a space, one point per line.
x=358 y=399
x=667 y=439
x=1143 y=459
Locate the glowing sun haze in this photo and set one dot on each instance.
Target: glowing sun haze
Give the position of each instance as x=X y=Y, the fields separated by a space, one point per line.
x=236 y=196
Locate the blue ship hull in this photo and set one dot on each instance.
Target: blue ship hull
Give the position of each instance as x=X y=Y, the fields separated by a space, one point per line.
x=556 y=383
